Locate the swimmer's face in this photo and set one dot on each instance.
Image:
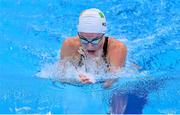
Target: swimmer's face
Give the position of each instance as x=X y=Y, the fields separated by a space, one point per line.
x=91 y=41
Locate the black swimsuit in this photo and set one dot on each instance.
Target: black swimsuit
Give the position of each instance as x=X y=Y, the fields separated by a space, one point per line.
x=104 y=56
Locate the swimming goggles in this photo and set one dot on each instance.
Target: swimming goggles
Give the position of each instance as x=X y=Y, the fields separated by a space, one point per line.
x=94 y=41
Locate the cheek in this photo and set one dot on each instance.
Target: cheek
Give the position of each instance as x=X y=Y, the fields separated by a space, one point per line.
x=84 y=46
x=100 y=44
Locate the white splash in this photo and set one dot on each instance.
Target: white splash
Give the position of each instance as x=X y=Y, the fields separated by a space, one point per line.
x=67 y=72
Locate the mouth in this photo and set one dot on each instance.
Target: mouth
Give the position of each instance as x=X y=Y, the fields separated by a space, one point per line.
x=91 y=51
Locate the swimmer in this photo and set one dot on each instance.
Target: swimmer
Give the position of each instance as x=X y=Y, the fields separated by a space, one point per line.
x=91 y=42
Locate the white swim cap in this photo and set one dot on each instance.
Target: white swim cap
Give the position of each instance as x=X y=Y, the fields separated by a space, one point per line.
x=92 y=21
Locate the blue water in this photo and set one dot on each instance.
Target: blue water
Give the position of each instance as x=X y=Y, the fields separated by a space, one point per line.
x=32 y=32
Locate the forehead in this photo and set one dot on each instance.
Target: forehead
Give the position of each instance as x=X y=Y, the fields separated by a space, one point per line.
x=90 y=35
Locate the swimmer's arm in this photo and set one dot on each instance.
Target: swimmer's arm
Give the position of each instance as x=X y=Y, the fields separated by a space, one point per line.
x=118 y=58
x=67 y=55
x=66 y=49
x=117 y=62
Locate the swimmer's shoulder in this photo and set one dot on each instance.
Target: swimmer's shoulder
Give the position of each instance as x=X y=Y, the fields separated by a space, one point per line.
x=115 y=44
x=116 y=53
x=70 y=47
x=71 y=42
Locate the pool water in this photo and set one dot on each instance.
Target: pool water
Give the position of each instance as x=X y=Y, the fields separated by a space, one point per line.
x=32 y=32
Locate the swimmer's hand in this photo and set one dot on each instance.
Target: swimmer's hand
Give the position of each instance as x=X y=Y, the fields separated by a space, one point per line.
x=84 y=79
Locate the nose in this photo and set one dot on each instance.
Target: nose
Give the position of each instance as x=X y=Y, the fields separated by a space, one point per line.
x=90 y=46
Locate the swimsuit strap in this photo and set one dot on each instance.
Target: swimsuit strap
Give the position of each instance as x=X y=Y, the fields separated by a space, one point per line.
x=105 y=46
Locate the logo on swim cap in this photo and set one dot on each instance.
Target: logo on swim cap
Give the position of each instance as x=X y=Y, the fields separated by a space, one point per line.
x=101 y=15
x=104 y=24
